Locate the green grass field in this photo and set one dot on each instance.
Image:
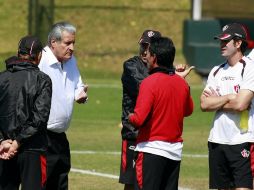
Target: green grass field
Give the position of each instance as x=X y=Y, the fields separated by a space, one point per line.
x=107 y=35
x=95 y=127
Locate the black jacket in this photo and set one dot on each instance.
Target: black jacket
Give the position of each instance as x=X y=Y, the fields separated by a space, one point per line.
x=25 y=100
x=134 y=71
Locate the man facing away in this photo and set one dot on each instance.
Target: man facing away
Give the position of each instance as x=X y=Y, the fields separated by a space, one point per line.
x=60 y=64
x=25 y=99
x=229 y=93
x=135 y=70
x=163 y=101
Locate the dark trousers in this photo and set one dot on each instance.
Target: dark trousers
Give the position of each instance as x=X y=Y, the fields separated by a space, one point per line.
x=127 y=171
x=230 y=166
x=155 y=172
x=58 y=161
x=26 y=168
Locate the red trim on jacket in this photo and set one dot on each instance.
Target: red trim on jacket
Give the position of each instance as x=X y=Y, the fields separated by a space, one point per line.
x=139 y=169
x=43 y=170
x=163 y=102
x=124 y=155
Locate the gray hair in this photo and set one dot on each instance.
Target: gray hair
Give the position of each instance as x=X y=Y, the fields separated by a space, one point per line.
x=57 y=29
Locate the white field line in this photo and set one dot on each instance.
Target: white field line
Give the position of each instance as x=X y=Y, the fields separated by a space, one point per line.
x=89 y=172
x=105 y=85
x=94 y=152
x=118 y=153
x=120 y=86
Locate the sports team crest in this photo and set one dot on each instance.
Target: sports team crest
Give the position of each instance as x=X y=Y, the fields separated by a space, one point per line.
x=237 y=88
x=245 y=153
x=150 y=34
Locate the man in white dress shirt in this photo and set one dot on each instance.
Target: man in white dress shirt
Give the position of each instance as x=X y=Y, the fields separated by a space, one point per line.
x=59 y=63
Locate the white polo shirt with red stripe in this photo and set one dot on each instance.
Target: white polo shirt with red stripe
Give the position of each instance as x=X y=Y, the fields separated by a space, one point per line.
x=232 y=127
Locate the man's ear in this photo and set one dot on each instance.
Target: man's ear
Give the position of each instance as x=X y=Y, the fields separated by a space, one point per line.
x=238 y=43
x=53 y=43
x=155 y=60
x=37 y=58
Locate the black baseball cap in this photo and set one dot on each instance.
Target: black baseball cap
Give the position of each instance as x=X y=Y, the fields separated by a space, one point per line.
x=30 y=45
x=147 y=35
x=230 y=31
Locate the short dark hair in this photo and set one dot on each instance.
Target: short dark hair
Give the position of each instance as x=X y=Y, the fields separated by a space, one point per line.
x=29 y=47
x=243 y=46
x=164 y=50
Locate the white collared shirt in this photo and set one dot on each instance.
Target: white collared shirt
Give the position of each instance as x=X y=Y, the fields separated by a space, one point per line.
x=232 y=128
x=66 y=86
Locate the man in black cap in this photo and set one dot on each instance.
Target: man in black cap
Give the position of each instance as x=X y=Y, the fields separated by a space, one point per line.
x=134 y=71
x=163 y=101
x=25 y=99
x=229 y=93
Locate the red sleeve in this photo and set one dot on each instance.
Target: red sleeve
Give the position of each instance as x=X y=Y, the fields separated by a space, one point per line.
x=189 y=106
x=143 y=105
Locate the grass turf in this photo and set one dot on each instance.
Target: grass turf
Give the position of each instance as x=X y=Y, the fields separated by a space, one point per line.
x=107 y=35
x=95 y=127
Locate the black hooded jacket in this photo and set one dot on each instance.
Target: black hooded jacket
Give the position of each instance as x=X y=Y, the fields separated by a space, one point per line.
x=25 y=100
x=134 y=71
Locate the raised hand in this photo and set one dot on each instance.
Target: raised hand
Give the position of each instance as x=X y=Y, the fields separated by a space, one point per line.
x=182 y=70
